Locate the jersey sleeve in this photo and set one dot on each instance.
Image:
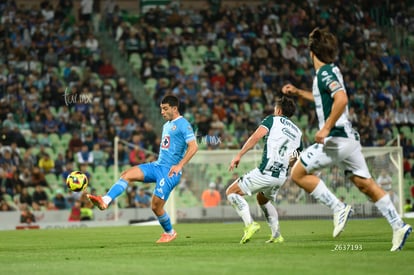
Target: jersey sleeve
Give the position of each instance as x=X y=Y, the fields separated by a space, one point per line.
x=267 y=122
x=188 y=132
x=331 y=82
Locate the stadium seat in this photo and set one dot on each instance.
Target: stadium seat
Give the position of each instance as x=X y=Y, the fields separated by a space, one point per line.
x=407 y=132
x=221 y=44
x=135 y=59
x=54 y=139
x=113 y=83
x=150 y=84
x=65 y=138
x=201 y=50
x=165 y=62
x=100 y=169
x=217 y=51
x=52 y=180
x=190 y=52
x=178 y=30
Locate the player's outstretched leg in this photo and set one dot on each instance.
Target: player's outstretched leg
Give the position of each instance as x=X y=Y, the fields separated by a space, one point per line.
x=116 y=190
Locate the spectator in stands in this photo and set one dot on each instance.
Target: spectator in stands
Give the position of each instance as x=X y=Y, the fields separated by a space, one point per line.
x=24 y=197
x=142 y=199
x=123 y=155
x=46 y=164
x=51 y=206
x=147 y=71
x=130 y=197
x=51 y=57
x=137 y=156
x=5 y=206
x=69 y=156
x=406 y=167
x=75 y=212
x=211 y=197
x=400 y=117
x=75 y=143
x=99 y=157
x=26 y=216
x=289 y=52
x=60 y=163
x=59 y=200
x=86 y=210
x=106 y=70
x=38 y=178
x=9 y=122
x=86 y=10
x=39 y=195
x=92 y=43
x=50 y=124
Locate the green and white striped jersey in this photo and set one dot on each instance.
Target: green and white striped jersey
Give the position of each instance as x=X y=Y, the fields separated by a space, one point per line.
x=282 y=140
x=328 y=81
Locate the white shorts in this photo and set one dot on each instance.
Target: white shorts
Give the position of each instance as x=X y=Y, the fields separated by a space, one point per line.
x=344 y=152
x=255 y=181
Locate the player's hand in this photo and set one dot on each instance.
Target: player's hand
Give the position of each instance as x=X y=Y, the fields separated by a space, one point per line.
x=321 y=135
x=234 y=163
x=289 y=89
x=174 y=170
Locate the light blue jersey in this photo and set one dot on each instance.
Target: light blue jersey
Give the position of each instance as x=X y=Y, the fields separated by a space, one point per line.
x=175 y=136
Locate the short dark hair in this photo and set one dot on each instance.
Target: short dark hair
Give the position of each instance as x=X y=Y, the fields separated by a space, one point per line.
x=324 y=45
x=171 y=100
x=287 y=105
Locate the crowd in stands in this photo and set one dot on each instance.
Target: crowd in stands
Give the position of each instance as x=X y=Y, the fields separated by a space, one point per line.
x=62 y=102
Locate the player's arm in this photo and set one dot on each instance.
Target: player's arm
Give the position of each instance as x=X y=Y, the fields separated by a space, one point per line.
x=338 y=107
x=289 y=89
x=192 y=148
x=260 y=132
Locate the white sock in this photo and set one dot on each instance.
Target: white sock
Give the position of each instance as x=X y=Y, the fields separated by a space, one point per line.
x=387 y=208
x=107 y=199
x=242 y=207
x=322 y=194
x=272 y=217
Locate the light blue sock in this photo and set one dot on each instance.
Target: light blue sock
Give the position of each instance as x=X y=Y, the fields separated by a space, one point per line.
x=117 y=189
x=165 y=222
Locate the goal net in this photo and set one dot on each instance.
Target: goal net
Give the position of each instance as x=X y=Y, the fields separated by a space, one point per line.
x=385 y=164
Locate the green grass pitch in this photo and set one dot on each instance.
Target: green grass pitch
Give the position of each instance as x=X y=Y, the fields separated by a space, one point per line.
x=209 y=248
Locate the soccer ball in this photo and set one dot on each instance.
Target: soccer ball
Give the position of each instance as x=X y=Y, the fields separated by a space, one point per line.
x=77 y=181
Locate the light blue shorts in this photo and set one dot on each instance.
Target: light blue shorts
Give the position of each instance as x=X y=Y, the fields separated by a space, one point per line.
x=159 y=174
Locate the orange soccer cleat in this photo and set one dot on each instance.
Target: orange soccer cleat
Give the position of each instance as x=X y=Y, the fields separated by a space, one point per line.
x=167 y=237
x=97 y=201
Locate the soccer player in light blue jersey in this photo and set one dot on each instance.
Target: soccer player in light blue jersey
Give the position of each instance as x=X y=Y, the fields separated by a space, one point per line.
x=178 y=146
